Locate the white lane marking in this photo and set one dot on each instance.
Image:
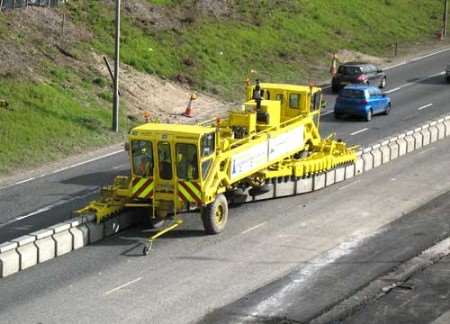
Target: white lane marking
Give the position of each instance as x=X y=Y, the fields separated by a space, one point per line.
x=408 y=84
x=253 y=228
x=348 y=185
x=47 y=208
x=299 y=280
x=424 y=106
x=415 y=59
x=62 y=169
x=40 y=210
x=359 y=131
x=392 y=90
x=24 y=181
x=123 y=286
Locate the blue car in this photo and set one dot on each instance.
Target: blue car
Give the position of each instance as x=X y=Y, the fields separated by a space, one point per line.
x=362 y=101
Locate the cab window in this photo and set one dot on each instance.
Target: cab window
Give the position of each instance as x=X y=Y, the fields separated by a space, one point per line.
x=315 y=101
x=208 y=144
x=142 y=157
x=165 y=161
x=279 y=97
x=294 y=101
x=187 y=163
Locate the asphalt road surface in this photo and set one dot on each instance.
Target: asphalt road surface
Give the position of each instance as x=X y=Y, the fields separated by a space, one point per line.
x=50 y=199
x=188 y=275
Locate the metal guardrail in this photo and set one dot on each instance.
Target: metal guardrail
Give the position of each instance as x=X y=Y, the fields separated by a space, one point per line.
x=16 y=4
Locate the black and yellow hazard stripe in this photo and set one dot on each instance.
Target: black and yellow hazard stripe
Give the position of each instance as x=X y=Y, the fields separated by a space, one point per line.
x=142 y=188
x=190 y=192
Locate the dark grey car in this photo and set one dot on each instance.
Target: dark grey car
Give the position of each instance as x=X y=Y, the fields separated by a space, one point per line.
x=358 y=72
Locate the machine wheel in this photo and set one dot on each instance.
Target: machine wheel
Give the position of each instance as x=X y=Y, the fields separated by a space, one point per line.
x=388 y=109
x=383 y=83
x=145 y=250
x=215 y=215
x=369 y=115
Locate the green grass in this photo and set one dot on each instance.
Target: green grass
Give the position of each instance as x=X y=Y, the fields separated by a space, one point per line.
x=45 y=122
x=281 y=40
x=284 y=41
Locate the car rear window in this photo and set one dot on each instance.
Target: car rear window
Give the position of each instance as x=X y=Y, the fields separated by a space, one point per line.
x=349 y=69
x=352 y=93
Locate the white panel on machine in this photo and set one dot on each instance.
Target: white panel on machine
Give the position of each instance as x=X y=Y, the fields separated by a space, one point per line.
x=249 y=160
x=287 y=142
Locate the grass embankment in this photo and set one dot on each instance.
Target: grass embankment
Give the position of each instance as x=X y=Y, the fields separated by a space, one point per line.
x=287 y=41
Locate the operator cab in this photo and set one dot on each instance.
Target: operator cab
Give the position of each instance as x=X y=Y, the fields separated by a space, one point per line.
x=170 y=162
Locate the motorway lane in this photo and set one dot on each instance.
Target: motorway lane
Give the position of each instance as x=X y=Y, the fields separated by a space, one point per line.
x=21 y=204
x=188 y=274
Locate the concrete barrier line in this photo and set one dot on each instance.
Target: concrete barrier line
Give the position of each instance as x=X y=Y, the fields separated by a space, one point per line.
x=40 y=246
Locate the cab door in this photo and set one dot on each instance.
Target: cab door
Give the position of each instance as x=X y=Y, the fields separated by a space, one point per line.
x=187 y=173
x=142 y=181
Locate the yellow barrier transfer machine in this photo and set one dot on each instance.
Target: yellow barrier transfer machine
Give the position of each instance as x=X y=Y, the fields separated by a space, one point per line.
x=275 y=136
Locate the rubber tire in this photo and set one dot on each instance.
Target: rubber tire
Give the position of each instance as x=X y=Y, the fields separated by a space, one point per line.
x=383 y=83
x=369 y=114
x=208 y=214
x=388 y=110
x=448 y=79
x=337 y=116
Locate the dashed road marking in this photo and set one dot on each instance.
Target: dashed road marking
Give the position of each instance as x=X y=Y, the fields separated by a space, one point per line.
x=425 y=106
x=123 y=286
x=359 y=131
x=47 y=208
x=253 y=228
x=408 y=84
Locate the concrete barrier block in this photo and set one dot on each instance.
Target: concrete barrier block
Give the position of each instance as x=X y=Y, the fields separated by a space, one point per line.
x=61 y=227
x=368 y=161
x=64 y=242
x=359 y=166
x=112 y=226
x=304 y=185
x=28 y=255
x=267 y=195
x=385 y=154
x=441 y=130
x=9 y=263
x=24 y=240
x=447 y=127
x=330 y=178
x=410 y=145
x=46 y=249
x=285 y=189
x=426 y=136
x=318 y=181
x=8 y=246
x=74 y=222
x=418 y=139
x=95 y=232
x=340 y=174
x=402 y=146
x=433 y=134
x=41 y=234
x=393 y=148
x=350 y=170
x=377 y=157
x=80 y=236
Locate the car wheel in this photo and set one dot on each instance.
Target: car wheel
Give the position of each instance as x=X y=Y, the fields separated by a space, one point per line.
x=337 y=116
x=335 y=88
x=448 y=79
x=383 y=83
x=388 y=109
x=369 y=115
